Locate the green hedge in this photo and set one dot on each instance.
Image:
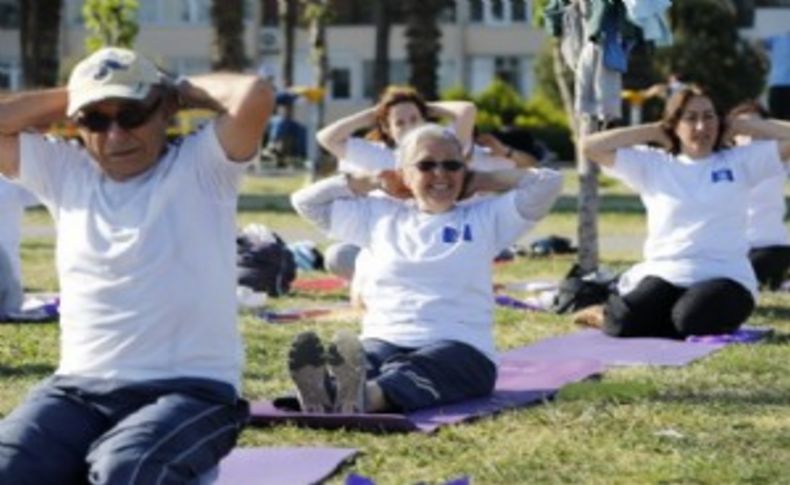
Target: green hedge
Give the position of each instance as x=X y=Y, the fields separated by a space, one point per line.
x=543 y=119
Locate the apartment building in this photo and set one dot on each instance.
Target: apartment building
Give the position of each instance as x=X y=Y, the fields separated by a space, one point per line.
x=481 y=40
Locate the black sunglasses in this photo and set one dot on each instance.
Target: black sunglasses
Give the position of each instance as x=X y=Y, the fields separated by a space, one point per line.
x=127 y=118
x=447 y=165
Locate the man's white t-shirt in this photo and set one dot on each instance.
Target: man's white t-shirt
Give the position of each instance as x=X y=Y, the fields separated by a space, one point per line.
x=696 y=211
x=147 y=266
x=430 y=277
x=13 y=200
x=766 y=224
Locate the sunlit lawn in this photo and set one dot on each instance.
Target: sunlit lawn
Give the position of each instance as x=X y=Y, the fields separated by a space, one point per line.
x=724 y=419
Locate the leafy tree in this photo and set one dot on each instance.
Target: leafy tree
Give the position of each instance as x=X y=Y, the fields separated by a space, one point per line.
x=110 y=23
x=708 y=51
x=38 y=36
x=539 y=115
x=228 y=46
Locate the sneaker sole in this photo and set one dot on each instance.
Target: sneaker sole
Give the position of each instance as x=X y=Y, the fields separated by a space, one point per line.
x=346 y=360
x=306 y=364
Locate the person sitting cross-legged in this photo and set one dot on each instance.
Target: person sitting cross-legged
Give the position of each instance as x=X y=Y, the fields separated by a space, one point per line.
x=696 y=278
x=147 y=388
x=427 y=336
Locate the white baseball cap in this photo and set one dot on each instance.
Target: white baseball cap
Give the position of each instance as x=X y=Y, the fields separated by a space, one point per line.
x=108 y=73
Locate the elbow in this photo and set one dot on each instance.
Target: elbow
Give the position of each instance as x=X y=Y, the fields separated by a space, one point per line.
x=264 y=91
x=469 y=110
x=588 y=149
x=331 y=141
x=297 y=202
x=554 y=182
x=324 y=137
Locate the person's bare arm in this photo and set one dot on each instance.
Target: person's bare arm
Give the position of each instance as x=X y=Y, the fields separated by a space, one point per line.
x=334 y=136
x=601 y=147
x=462 y=113
x=244 y=103
x=770 y=129
x=499 y=149
x=22 y=111
x=536 y=189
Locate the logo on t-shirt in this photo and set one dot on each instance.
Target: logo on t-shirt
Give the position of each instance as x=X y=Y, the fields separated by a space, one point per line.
x=722 y=175
x=451 y=234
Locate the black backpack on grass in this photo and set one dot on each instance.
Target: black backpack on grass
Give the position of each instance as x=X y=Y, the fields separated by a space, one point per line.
x=578 y=290
x=265 y=265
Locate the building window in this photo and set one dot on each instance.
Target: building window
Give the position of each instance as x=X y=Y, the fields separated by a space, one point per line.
x=149 y=12
x=521 y=11
x=9 y=14
x=475 y=10
x=398 y=75
x=188 y=66
x=508 y=69
x=195 y=12
x=340 y=83
x=498 y=12
x=269 y=13
x=10 y=76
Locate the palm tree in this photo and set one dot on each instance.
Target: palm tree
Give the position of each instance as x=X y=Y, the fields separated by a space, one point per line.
x=228 y=49
x=39 y=39
x=422 y=44
x=381 y=66
x=289 y=15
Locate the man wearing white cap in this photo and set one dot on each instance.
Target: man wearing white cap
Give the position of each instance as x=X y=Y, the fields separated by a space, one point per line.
x=147 y=387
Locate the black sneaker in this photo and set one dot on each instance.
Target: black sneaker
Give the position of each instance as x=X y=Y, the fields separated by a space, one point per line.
x=306 y=364
x=346 y=360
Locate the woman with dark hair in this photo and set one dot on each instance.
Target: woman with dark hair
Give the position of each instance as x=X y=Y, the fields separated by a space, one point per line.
x=696 y=278
x=399 y=109
x=769 y=242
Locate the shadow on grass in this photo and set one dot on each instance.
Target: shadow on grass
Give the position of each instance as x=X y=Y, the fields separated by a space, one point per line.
x=763 y=397
x=620 y=204
x=779 y=312
x=265 y=202
x=26 y=370
x=778 y=339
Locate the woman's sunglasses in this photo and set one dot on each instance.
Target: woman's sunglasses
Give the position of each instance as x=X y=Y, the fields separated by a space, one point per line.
x=127 y=118
x=447 y=165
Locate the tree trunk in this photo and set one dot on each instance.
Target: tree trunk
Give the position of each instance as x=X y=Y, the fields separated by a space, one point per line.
x=381 y=65
x=318 y=11
x=587 y=223
x=588 y=201
x=423 y=46
x=288 y=18
x=565 y=91
x=228 y=46
x=39 y=40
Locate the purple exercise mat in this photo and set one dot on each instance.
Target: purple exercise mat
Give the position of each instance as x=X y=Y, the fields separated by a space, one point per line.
x=520 y=382
x=276 y=466
x=594 y=344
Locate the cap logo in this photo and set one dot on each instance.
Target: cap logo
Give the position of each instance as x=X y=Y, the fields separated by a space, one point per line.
x=108 y=65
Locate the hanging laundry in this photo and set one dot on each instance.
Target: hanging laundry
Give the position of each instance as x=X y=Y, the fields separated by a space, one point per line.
x=650 y=17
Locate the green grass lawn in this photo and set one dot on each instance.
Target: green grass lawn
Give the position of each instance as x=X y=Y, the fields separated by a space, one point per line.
x=724 y=419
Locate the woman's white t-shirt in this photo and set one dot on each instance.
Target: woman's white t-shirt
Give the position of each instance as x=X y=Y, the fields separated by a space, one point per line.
x=696 y=211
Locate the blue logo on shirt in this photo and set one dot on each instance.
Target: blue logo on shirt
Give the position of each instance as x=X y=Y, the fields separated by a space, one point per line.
x=722 y=175
x=451 y=234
